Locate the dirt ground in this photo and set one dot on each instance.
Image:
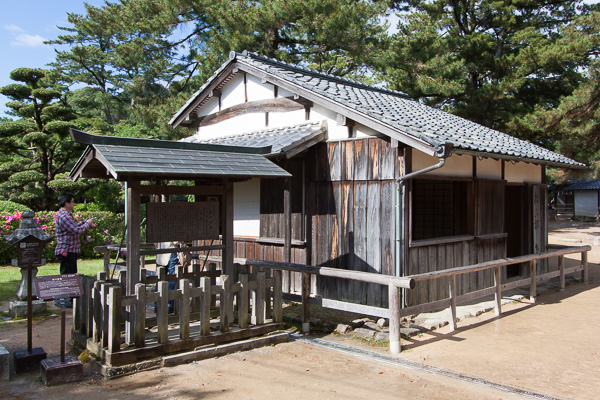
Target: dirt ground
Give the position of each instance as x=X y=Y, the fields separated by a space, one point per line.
x=550 y=348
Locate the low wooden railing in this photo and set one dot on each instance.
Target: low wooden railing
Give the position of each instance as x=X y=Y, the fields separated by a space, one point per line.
x=105 y=318
x=395 y=313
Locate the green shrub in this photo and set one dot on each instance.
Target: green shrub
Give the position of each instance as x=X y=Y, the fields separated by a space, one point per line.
x=107 y=228
x=10 y=207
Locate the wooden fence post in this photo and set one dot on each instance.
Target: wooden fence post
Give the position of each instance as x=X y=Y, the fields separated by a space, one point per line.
x=498 y=294
x=258 y=303
x=184 y=309
x=104 y=312
x=114 y=320
x=452 y=293
x=226 y=314
x=561 y=277
x=162 y=311
x=533 y=287
x=106 y=258
x=277 y=296
x=97 y=310
x=196 y=284
x=243 y=305
x=205 y=310
x=212 y=267
x=139 y=317
x=584 y=262
x=89 y=305
x=394 y=309
x=305 y=303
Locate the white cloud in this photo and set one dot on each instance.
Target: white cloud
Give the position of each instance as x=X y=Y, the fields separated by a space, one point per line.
x=20 y=38
x=13 y=28
x=27 y=40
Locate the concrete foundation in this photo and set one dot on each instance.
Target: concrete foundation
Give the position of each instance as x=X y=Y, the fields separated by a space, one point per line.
x=19 y=308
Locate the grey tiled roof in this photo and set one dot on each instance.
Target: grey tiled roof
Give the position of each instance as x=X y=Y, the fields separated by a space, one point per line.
x=392 y=110
x=280 y=139
x=585 y=185
x=154 y=159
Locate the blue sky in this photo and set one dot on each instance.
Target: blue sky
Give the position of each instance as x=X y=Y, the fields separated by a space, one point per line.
x=24 y=25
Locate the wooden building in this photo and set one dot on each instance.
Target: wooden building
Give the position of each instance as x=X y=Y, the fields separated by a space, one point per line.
x=586 y=198
x=380 y=182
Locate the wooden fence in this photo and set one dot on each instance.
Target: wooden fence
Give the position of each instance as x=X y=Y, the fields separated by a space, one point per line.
x=114 y=326
x=395 y=313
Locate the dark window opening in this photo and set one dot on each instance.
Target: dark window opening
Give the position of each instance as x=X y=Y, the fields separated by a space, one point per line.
x=441 y=208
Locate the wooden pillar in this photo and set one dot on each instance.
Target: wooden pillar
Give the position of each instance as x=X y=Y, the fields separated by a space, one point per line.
x=133 y=235
x=133 y=249
x=227 y=223
x=498 y=294
x=394 y=308
x=305 y=303
x=561 y=277
x=533 y=287
x=287 y=221
x=452 y=292
x=584 y=263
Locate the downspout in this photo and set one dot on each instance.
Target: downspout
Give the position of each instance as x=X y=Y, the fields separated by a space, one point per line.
x=442 y=152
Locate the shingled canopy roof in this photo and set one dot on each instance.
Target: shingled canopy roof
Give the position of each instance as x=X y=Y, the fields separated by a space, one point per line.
x=146 y=158
x=389 y=112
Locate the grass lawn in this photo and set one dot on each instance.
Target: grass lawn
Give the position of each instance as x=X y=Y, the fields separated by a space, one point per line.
x=11 y=276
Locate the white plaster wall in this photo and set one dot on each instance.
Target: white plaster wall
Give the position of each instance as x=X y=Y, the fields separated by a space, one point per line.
x=456 y=165
x=522 y=172
x=277 y=119
x=334 y=132
x=211 y=106
x=233 y=93
x=246 y=208
x=586 y=203
x=258 y=90
x=233 y=126
x=489 y=168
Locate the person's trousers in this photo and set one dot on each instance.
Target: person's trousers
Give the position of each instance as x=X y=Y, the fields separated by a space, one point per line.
x=68 y=263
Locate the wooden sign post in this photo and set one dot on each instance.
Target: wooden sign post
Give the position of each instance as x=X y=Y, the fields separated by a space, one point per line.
x=60 y=370
x=29 y=254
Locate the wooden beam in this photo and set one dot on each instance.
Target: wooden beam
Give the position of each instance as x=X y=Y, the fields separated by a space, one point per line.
x=343 y=121
x=280 y=104
x=167 y=190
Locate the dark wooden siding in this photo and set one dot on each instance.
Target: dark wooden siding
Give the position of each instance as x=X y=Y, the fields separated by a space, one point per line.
x=352 y=214
x=349 y=213
x=487 y=243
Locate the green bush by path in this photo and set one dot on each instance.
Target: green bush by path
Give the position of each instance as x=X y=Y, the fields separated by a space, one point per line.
x=107 y=228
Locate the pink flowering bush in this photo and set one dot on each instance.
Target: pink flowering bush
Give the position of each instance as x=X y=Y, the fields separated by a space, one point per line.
x=107 y=228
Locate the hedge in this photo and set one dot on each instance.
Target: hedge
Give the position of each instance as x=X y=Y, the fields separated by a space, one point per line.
x=107 y=228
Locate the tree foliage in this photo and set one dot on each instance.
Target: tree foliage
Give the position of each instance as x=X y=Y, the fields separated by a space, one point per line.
x=35 y=147
x=517 y=66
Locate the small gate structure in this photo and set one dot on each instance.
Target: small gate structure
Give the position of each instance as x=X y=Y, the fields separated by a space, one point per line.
x=205 y=313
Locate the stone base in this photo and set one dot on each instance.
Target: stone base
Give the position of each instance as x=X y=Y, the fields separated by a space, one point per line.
x=54 y=372
x=19 y=308
x=4 y=364
x=24 y=361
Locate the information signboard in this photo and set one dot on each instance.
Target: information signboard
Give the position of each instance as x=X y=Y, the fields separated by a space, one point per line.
x=178 y=221
x=29 y=251
x=52 y=286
